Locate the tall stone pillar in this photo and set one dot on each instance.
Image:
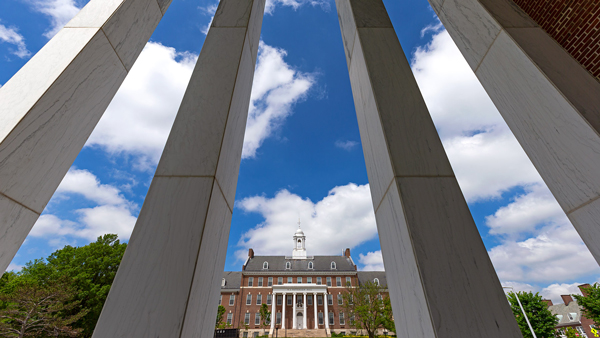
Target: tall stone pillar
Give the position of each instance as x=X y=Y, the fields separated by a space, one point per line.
x=283 y=310
x=294 y=318
x=325 y=301
x=168 y=282
x=49 y=108
x=273 y=312
x=315 y=309
x=438 y=270
x=549 y=101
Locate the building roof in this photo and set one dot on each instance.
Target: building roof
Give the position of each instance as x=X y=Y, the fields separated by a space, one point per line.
x=369 y=276
x=562 y=311
x=233 y=280
x=320 y=263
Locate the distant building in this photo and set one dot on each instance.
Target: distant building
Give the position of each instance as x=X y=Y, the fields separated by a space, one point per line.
x=303 y=292
x=569 y=314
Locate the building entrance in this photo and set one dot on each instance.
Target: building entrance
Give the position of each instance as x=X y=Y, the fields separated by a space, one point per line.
x=299 y=320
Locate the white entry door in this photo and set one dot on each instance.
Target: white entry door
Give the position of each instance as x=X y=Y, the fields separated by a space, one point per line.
x=299 y=321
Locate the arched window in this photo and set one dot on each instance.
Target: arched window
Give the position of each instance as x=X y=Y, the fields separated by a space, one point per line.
x=223 y=282
x=265 y=265
x=299 y=244
x=376 y=281
x=332 y=265
x=288 y=265
x=310 y=265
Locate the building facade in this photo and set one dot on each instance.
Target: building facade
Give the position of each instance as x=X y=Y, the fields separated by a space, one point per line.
x=302 y=292
x=569 y=314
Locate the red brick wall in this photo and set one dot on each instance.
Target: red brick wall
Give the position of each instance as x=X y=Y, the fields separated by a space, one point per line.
x=574 y=24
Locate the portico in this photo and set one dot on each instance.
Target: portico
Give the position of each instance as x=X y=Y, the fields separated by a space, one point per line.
x=299 y=295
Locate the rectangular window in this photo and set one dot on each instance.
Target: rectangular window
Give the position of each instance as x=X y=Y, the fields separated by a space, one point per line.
x=229 y=318
x=380 y=297
x=231 y=300
x=279 y=280
x=290 y=280
x=331 y=321
x=348 y=281
x=319 y=281
x=247 y=319
x=254 y=334
x=328 y=281
x=245 y=334
x=220 y=299
x=257 y=318
x=248 y=299
x=342 y=319
x=270 y=281
x=289 y=300
x=299 y=280
x=338 y=281
x=278 y=320
x=309 y=280
x=329 y=299
x=260 y=281
x=340 y=300
x=320 y=300
x=320 y=318
x=269 y=299
x=258 y=299
x=309 y=300
x=279 y=297
x=250 y=281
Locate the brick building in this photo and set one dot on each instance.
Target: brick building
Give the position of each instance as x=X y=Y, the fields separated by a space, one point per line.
x=302 y=292
x=569 y=314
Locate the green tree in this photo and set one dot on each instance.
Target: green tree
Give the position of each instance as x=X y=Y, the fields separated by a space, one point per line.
x=265 y=316
x=39 y=309
x=388 y=316
x=590 y=302
x=541 y=319
x=365 y=307
x=220 y=320
x=90 y=268
x=571 y=333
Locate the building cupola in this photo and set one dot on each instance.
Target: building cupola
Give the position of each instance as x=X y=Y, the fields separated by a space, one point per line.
x=299 y=251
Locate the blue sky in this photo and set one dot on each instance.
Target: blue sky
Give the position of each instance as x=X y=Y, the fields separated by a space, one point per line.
x=302 y=153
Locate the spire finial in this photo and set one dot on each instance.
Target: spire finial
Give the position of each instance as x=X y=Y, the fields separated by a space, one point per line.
x=298 y=222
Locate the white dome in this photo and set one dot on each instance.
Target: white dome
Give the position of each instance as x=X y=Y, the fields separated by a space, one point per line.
x=299 y=232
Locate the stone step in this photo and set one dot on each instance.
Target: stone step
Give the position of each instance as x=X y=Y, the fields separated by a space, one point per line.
x=292 y=333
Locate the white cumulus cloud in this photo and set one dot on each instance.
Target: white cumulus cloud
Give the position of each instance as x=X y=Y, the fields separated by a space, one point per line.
x=295 y=4
x=372 y=261
x=59 y=11
x=342 y=219
x=346 y=145
x=11 y=35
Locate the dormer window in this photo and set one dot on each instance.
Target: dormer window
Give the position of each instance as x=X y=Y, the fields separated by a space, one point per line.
x=333 y=267
x=265 y=265
x=376 y=281
x=223 y=282
x=288 y=265
x=572 y=316
x=310 y=265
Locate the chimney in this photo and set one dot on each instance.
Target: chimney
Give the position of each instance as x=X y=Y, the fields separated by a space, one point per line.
x=250 y=253
x=548 y=302
x=567 y=299
x=347 y=253
x=583 y=289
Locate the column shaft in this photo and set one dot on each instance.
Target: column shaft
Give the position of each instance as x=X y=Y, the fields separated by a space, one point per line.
x=168 y=282
x=273 y=313
x=315 y=309
x=304 y=315
x=549 y=101
x=49 y=108
x=283 y=310
x=294 y=318
x=326 y=314
x=437 y=267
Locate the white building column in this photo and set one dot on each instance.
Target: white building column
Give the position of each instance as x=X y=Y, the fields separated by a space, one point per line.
x=430 y=244
x=315 y=308
x=168 y=283
x=304 y=312
x=49 y=108
x=326 y=314
x=550 y=102
x=273 y=313
x=294 y=318
x=283 y=310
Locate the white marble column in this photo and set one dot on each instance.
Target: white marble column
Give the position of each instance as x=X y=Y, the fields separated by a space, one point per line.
x=169 y=279
x=283 y=310
x=294 y=319
x=325 y=301
x=549 y=101
x=273 y=312
x=315 y=308
x=49 y=108
x=438 y=270
x=304 y=313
